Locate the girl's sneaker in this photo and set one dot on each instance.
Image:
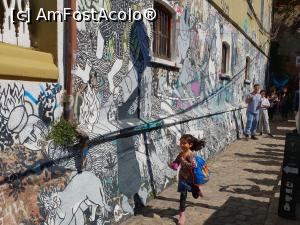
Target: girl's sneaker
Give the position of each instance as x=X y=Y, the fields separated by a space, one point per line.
x=195 y=193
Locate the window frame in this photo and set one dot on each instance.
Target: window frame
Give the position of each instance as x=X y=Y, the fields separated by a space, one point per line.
x=162 y=40
x=226 y=64
x=171 y=60
x=247 y=68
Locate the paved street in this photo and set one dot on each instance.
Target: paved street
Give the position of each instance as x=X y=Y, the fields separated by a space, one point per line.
x=243 y=185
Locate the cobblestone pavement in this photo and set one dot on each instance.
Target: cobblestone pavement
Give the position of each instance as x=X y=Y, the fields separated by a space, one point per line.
x=244 y=181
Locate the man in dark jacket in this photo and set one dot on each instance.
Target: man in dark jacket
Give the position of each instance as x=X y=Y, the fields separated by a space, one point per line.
x=296 y=108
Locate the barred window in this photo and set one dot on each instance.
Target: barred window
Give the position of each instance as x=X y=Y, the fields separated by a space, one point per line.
x=247 y=68
x=225 y=58
x=162 y=32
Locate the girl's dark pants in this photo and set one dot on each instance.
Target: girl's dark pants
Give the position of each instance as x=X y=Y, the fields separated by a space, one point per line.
x=182 y=203
x=183 y=188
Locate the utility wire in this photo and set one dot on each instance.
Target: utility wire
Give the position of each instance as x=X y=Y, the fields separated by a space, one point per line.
x=148 y=126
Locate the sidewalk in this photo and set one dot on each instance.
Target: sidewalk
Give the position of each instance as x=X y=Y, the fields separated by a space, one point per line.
x=243 y=189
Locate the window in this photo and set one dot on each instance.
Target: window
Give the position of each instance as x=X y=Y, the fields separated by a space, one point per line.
x=162 y=32
x=247 y=68
x=225 y=58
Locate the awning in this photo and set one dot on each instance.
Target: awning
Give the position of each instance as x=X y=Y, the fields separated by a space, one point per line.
x=23 y=63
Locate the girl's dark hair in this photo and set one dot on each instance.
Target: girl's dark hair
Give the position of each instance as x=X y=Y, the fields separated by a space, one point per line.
x=196 y=143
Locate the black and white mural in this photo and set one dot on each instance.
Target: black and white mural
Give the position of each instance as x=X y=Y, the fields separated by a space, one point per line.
x=133 y=110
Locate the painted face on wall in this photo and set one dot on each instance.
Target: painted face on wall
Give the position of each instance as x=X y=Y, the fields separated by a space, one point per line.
x=28 y=129
x=33 y=133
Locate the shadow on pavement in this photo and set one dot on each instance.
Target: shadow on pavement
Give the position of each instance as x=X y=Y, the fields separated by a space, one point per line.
x=262 y=171
x=270 y=153
x=278 y=138
x=239 y=211
x=252 y=190
x=148 y=211
x=189 y=203
x=273 y=145
x=265 y=181
x=268 y=163
x=264 y=156
x=270 y=150
x=170 y=213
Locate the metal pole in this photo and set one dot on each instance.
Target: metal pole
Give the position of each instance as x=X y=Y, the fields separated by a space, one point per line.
x=70 y=61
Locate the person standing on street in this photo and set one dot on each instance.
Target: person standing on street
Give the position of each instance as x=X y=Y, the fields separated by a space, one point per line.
x=254 y=101
x=285 y=104
x=295 y=109
x=263 y=115
x=273 y=99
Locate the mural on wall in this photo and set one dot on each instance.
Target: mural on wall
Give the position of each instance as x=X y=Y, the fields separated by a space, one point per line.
x=24 y=117
x=26 y=111
x=117 y=89
x=124 y=91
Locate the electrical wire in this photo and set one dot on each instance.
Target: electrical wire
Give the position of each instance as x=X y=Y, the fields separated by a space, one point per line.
x=147 y=127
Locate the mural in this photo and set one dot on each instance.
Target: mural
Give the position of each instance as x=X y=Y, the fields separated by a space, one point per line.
x=133 y=110
x=26 y=112
x=24 y=117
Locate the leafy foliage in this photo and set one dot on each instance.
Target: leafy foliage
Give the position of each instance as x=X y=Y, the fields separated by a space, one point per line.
x=63 y=133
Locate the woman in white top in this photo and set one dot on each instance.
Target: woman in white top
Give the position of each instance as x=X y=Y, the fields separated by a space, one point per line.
x=263 y=115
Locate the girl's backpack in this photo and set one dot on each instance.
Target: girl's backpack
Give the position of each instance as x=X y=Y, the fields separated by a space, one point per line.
x=201 y=172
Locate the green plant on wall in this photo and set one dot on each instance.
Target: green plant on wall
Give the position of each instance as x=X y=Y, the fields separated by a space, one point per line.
x=63 y=133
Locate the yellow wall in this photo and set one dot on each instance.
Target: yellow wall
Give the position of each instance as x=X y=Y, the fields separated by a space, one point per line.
x=39 y=62
x=44 y=34
x=237 y=10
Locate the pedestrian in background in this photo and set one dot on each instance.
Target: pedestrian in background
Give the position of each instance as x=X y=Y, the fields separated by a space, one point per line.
x=263 y=114
x=296 y=108
x=285 y=104
x=253 y=100
x=273 y=99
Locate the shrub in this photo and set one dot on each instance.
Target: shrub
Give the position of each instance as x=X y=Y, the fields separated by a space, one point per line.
x=63 y=133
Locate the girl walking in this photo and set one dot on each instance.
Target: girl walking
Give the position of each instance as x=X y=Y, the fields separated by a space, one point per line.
x=188 y=180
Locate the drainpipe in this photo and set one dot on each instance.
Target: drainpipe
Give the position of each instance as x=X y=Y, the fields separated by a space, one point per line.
x=70 y=35
x=69 y=112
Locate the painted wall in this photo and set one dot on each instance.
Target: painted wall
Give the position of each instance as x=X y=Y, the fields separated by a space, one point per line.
x=134 y=111
x=26 y=111
x=241 y=14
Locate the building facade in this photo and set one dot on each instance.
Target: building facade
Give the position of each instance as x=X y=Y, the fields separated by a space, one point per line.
x=137 y=87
